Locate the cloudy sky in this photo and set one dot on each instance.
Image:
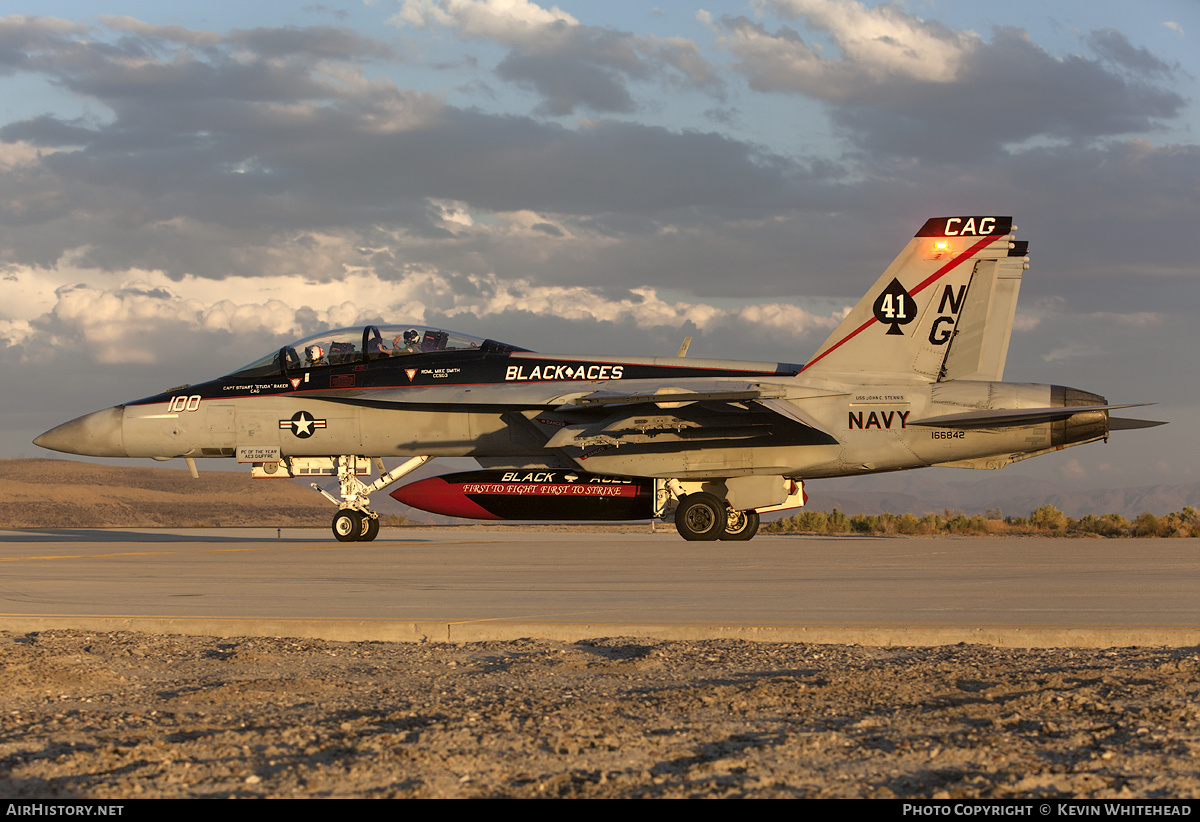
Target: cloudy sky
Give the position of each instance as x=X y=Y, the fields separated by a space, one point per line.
x=184 y=186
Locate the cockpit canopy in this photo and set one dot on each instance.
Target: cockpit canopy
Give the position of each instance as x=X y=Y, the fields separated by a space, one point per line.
x=361 y=344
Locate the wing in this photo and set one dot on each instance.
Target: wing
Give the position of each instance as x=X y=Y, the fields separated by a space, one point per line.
x=687 y=414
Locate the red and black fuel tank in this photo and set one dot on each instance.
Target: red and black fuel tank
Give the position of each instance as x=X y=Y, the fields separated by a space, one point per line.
x=536 y=495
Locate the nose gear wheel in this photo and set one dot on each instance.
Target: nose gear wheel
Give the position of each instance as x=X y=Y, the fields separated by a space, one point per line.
x=347 y=525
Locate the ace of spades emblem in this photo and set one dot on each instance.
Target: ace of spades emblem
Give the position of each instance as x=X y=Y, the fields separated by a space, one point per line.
x=895 y=307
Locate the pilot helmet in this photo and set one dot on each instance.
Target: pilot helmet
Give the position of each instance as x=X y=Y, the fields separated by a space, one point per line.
x=314 y=353
x=411 y=336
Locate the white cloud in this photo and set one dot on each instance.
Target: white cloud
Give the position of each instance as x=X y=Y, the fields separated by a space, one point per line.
x=1070 y=351
x=884 y=39
x=899 y=84
x=1130 y=319
x=569 y=64
x=20 y=153
x=512 y=22
x=1024 y=322
x=27 y=293
x=137 y=319
x=1072 y=469
x=177 y=34
x=453 y=211
x=13 y=332
x=874 y=44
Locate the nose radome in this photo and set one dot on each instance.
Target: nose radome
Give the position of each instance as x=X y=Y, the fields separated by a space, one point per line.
x=94 y=435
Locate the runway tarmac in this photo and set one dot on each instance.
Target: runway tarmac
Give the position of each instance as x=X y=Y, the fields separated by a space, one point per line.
x=502 y=583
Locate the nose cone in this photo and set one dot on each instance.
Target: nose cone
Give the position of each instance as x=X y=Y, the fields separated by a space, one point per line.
x=94 y=435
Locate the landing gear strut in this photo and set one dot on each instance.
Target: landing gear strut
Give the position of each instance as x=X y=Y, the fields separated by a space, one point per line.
x=355 y=521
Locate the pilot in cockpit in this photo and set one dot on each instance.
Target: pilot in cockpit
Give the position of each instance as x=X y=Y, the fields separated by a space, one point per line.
x=313 y=355
x=410 y=344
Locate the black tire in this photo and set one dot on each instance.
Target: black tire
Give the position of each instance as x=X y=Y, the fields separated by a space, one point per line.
x=743 y=527
x=700 y=517
x=347 y=525
x=370 y=529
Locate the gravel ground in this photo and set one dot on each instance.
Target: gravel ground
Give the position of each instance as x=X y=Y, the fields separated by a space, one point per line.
x=124 y=715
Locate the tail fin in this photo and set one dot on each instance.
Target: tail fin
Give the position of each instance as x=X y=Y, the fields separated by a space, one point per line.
x=942 y=310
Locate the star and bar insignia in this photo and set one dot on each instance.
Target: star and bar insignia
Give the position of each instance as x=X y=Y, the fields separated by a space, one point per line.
x=303 y=424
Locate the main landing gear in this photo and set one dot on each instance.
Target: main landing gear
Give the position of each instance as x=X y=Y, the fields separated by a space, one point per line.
x=703 y=516
x=355 y=521
x=740 y=525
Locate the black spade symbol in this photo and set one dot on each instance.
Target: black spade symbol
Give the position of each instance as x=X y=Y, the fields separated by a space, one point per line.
x=895 y=307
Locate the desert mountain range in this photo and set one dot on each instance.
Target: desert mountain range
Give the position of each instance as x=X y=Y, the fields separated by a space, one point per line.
x=45 y=493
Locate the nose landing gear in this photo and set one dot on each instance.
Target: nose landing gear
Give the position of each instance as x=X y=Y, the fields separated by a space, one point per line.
x=347 y=525
x=350 y=525
x=355 y=521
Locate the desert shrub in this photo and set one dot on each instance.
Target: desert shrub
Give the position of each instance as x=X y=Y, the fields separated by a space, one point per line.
x=865 y=524
x=962 y=524
x=1148 y=525
x=1185 y=523
x=1048 y=518
x=1045 y=521
x=1109 y=525
x=804 y=522
x=929 y=524
x=839 y=523
x=815 y=521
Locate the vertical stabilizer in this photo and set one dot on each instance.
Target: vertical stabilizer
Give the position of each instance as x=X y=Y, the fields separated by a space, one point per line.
x=902 y=329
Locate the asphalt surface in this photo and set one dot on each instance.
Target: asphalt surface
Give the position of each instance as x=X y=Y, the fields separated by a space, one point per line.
x=503 y=583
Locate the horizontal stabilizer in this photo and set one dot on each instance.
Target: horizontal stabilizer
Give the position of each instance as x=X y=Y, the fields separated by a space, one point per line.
x=1123 y=424
x=999 y=418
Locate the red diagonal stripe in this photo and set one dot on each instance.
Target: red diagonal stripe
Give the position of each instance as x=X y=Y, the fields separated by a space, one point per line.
x=930 y=280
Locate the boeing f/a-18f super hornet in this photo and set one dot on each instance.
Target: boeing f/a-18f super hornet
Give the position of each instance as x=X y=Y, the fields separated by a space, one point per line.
x=910 y=378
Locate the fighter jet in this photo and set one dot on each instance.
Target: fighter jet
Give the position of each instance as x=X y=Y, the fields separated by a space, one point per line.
x=912 y=377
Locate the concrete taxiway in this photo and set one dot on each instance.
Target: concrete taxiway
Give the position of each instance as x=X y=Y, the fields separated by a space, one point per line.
x=503 y=582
